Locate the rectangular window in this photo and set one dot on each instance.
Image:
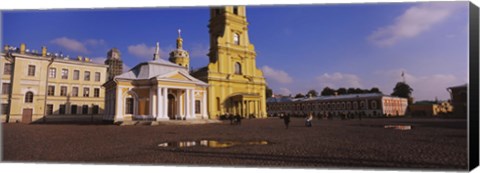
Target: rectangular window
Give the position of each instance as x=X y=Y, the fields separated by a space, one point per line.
x=5 y=109
x=49 y=109
x=73 y=110
x=97 y=76
x=51 y=90
x=96 y=92
x=7 y=69
x=61 y=111
x=95 y=109
x=31 y=70
x=85 y=109
x=63 y=91
x=76 y=75
x=129 y=106
x=64 y=73
x=52 y=73
x=87 y=76
x=5 y=88
x=197 y=106
x=74 y=91
x=86 y=92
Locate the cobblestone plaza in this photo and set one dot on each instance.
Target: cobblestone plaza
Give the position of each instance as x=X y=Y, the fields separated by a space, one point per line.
x=439 y=144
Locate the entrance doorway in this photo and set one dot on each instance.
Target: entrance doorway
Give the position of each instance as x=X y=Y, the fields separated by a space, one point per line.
x=27 y=116
x=172 y=106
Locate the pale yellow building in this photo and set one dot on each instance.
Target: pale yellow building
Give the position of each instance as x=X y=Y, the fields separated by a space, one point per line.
x=37 y=84
x=236 y=85
x=157 y=90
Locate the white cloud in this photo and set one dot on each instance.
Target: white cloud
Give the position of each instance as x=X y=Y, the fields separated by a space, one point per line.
x=94 y=42
x=143 y=51
x=337 y=80
x=414 y=21
x=283 y=91
x=276 y=75
x=70 y=44
x=425 y=87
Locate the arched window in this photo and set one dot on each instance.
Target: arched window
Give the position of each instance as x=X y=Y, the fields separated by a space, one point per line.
x=129 y=106
x=236 y=39
x=238 y=68
x=29 y=97
x=374 y=105
x=235 y=10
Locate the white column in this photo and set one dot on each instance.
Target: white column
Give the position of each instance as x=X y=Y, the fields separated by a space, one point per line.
x=180 y=97
x=165 y=103
x=160 y=106
x=119 y=105
x=192 y=102
x=204 y=105
x=186 y=103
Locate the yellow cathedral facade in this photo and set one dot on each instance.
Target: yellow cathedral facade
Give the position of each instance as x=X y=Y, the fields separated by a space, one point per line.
x=236 y=85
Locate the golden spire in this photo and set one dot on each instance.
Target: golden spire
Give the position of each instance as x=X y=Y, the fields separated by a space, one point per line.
x=179 y=40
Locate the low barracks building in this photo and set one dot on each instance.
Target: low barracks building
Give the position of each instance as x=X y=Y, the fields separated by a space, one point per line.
x=37 y=84
x=369 y=105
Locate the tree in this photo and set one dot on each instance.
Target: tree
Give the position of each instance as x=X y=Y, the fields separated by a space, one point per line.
x=299 y=95
x=312 y=93
x=351 y=91
x=268 y=92
x=328 y=92
x=375 y=90
x=402 y=90
x=342 y=91
x=358 y=91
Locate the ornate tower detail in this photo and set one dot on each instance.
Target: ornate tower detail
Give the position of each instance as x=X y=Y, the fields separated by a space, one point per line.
x=236 y=85
x=114 y=62
x=180 y=56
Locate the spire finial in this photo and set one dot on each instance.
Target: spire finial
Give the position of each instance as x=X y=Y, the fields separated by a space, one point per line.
x=156 y=55
x=179 y=40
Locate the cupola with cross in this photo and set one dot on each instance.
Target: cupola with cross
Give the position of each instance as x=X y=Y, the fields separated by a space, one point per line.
x=179 y=55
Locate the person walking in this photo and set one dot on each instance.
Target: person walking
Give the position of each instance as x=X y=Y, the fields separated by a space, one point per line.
x=308 y=120
x=286 y=120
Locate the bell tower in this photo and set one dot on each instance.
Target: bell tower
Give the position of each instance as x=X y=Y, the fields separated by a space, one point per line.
x=114 y=62
x=236 y=86
x=180 y=56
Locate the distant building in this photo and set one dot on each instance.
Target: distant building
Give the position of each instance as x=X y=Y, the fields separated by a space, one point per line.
x=368 y=105
x=35 y=84
x=458 y=96
x=114 y=63
x=156 y=90
x=430 y=108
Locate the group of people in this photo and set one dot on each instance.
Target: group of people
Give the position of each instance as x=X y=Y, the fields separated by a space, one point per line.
x=235 y=119
x=308 y=120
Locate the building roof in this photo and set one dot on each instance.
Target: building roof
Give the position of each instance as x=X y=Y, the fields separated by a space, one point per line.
x=338 y=97
x=159 y=68
x=459 y=86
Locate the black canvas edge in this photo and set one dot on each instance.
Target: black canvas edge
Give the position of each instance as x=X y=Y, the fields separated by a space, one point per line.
x=473 y=143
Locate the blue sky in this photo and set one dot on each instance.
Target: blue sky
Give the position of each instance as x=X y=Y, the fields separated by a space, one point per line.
x=299 y=47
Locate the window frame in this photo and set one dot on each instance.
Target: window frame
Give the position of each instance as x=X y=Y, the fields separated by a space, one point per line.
x=28 y=97
x=64 y=73
x=52 y=72
x=7 y=68
x=31 y=70
x=86 y=76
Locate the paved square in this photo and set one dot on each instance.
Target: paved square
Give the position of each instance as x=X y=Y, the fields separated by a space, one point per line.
x=431 y=143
